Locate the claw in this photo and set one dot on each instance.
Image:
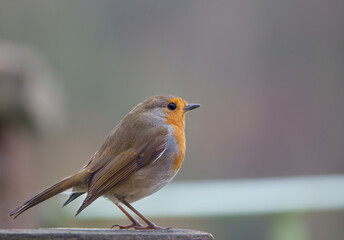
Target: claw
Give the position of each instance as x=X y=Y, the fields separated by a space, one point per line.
x=134 y=226
x=138 y=226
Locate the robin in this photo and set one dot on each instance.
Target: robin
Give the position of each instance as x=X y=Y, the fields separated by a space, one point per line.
x=138 y=157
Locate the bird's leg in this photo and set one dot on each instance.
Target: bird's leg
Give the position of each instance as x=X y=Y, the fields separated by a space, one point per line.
x=150 y=225
x=135 y=224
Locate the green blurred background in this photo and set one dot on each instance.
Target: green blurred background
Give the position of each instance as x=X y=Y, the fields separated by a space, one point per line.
x=269 y=76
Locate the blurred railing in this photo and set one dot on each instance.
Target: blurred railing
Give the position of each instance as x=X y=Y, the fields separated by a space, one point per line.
x=230 y=197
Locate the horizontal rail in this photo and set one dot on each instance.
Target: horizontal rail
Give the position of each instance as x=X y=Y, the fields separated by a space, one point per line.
x=230 y=197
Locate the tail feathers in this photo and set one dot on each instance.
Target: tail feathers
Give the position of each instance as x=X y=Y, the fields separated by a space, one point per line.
x=47 y=193
x=73 y=197
x=88 y=200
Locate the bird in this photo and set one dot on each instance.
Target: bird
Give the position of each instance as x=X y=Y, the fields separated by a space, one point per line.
x=137 y=158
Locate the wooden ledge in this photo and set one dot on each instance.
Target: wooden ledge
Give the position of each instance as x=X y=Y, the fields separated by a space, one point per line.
x=104 y=234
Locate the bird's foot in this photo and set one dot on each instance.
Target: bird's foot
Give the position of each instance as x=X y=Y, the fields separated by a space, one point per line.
x=138 y=226
x=134 y=226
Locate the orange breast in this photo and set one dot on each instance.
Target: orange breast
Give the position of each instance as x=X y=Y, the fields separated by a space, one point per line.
x=179 y=158
x=176 y=119
x=179 y=135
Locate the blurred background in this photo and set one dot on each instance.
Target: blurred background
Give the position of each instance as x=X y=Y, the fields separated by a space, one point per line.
x=269 y=76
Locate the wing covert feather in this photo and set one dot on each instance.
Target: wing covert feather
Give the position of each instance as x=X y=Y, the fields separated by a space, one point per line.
x=120 y=166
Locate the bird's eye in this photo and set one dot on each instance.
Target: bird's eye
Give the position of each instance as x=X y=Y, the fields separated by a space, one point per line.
x=172 y=106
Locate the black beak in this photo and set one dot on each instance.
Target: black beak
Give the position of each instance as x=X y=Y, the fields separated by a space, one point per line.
x=191 y=106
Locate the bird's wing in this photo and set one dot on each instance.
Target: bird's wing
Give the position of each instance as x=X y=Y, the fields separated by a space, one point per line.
x=124 y=164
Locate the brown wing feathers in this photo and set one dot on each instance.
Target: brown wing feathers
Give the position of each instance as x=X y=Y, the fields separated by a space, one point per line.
x=114 y=172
